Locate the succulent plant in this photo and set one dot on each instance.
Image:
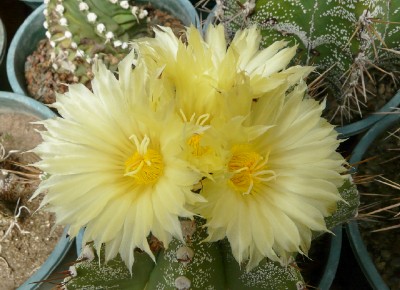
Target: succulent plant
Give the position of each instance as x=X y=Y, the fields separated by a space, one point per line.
x=81 y=31
x=195 y=264
x=345 y=40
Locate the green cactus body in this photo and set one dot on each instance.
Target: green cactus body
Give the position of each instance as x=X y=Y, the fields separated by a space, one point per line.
x=267 y=275
x=189 y=265
x=346 y=208
x=80 y=31
x=342 y=38
x=92 y=273
x=196 y=264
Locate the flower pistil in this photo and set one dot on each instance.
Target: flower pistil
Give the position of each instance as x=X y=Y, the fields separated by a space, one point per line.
x=145 y=165
x=248 y=167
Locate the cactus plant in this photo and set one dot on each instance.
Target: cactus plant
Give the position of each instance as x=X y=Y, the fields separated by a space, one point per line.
x=348 y=41
x=79 y=32
x=195 y=264
x=262 y=173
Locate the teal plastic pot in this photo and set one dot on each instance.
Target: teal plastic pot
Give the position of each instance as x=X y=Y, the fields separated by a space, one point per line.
x=32 y=31
x=33 y=3
x=22 y=45
x=3 y=41
x=11 y=102
x=332 y=262
x=352 y=229
x=3 y=48
x=366 y=123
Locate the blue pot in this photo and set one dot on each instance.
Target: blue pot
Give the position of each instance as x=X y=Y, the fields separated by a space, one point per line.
x=33 y=3
x=353 y=232
x=366 y=123
x=3 y=48
x=3 y=41
x=32 y=31
x=332 y=263
x=11 y=102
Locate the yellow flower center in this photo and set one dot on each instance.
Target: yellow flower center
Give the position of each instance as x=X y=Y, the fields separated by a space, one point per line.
x=194 y=143
x=145 y=165
x=248 y=168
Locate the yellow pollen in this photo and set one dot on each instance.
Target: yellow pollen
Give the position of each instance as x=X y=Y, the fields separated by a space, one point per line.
x=248 y=167
x=145 y=165
x=145 y=169
x=194 y=143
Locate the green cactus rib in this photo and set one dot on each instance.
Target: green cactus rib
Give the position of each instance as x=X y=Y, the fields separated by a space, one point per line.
x=77 y=40
x=342 y=38
x=203 y=269
x=198 y=265
x=121 y=22
x=114 y=274
x=346 y=208
x=267 y=275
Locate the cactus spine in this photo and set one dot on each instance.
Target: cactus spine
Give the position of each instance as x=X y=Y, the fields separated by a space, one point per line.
x=344 y=39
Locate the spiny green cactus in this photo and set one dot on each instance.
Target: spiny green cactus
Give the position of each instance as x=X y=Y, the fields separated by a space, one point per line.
x=196 y=264
x=193 y=265
x=344 y=39
x=84 y=30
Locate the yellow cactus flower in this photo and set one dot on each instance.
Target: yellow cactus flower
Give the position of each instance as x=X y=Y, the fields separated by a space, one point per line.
x=115 y=163
x=211 y=78
x=279 y=181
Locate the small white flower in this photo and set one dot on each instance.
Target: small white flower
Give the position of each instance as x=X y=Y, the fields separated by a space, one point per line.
x=135 y=10
x=113 y=1
x=124 y=45
x=74 y=45
x=117 y=43
x=124 y=4
x=68 y=34
x=46 y=2
x=101 y=27
x=45 y=25
x=83 y=6
x=52 y=44
x=143 y=14
x=60 y=8
x=45 y=12
x=48 y=34
x=109 y=35
x=91 y=17
x=63 y=21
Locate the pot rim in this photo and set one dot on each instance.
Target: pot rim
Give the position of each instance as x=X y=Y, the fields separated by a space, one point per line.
x=26 y=105
x=352 y=229
x=182 y=9
x=3 y=41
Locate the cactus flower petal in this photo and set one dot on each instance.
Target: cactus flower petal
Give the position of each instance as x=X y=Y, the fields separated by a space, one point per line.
x=113 y=167
x=279 y=184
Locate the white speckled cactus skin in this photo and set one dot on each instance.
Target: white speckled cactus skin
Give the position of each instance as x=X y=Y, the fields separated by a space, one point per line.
x=83 y=30
x=194 y=264
x=342 y=38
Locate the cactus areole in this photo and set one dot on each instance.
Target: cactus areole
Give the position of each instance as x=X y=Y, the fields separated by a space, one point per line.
x=345 y=40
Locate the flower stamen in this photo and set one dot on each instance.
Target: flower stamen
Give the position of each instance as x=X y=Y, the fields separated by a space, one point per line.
x=248 y=168
x=145 y=165
x=194 y=143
